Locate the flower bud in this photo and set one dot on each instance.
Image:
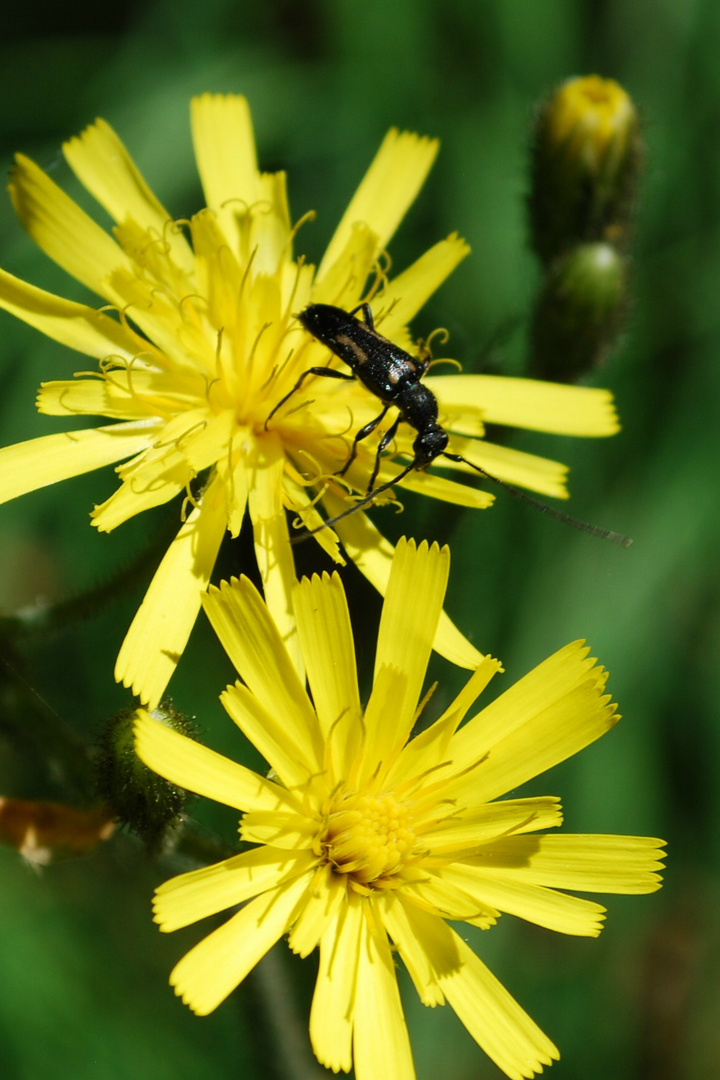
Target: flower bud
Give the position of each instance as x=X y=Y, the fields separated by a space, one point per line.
x=149 y=805
x=586 y=159
x=579 y=312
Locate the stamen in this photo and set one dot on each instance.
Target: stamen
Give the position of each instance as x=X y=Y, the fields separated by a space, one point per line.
x=159 y=243
x=260 y=206
x=256 y=342
x=421 y=707
x=112 y=363
x=190 y=500
x=197 y=298
x=178 y=225
x=178 y=441
x=445 y=360
x=309 y=215
x=246 y=276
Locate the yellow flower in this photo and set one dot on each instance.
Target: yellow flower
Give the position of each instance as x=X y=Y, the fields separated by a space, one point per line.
x=586 y=162
x=591 y=118
x=366 y=836
x=198 y=341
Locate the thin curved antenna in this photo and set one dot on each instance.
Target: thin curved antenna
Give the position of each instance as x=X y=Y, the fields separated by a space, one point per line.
x=566 y=519
x=543 y=508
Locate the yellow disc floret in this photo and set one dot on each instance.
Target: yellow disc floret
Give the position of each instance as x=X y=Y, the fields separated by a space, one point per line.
x=369 y=838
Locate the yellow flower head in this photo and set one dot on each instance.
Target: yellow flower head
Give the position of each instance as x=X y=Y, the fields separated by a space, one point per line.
x=591 y=117
x=366 y=837
x=198 y=342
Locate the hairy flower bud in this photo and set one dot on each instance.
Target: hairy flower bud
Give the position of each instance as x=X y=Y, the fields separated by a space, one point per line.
x=579 y=311
x=586 y=158
x=149 y=805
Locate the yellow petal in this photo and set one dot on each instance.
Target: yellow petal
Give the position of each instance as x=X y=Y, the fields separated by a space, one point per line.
x=212 y=970
x=454 y=646
x=289 y=831
x=160 y=630
x=160 y=478
x=513 y=466
x=218 y=272
x=391 y=908
x=388 y=189
x=179 y=431
x=210 y=439
x=471 y=828
x=195 y=767
x=100 y=161
x=494 y=1019
x=283 y=744
x=544 y=907
x=429 y=748
x=272 y=541
x=381 y=1047
x=342 y=281
x=38 y=463
x=443 y=898
x=225 y=152
x=235 y=482
x=260 y=332
x=589 y=863
x=528 y=403
x=298 y=501
x=111 y=397
x=271 y=234
x=437 y=487
x=406 y=293
x=76 y=325
x=187 y=898
x=547 y=716
x=126 y=389
x=565 y=669
x=183 y=344
x=410 y=614
x=469 y=694
x=491 y=1015
x=65 y=232
x=551 y=736
x=384 y=727
x=372 y=554
x=321 y=905
x=331 y=1014
x=327 y=644
x=251 y=639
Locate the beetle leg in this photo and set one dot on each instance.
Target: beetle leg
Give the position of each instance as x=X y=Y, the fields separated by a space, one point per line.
x=367 y=315
x=326 y=372
x=362 y=434
x=384 y=442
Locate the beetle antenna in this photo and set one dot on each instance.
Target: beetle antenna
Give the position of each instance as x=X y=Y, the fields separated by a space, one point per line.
x=544 y=508
x=356 y=506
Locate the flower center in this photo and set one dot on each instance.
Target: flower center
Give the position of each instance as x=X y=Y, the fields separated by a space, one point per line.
x=368 y=837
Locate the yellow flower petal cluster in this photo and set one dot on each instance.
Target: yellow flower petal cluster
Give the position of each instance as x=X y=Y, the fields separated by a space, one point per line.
x=369 y=841
x=591 y=118
x=197 y=342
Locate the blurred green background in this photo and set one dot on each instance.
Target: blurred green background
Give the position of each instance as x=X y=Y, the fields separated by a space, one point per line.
x=84 y=989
